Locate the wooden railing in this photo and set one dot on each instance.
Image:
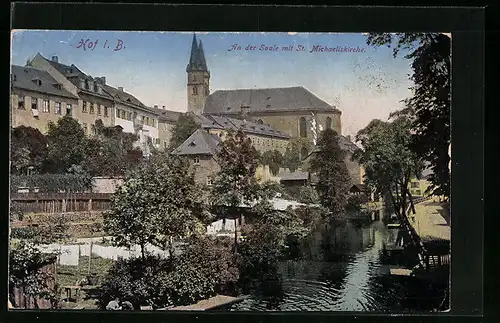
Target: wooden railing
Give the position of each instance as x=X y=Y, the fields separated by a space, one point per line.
x=61 y=202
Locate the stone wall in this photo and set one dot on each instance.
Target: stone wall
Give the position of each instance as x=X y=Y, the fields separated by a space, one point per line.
x=289 y=122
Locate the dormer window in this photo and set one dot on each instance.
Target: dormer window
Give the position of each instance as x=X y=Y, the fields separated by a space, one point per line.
x=37 y=81
x=96 y=87
x=14 y=77
x=228 y=108
x=268 y=106
x=87 y=85
x=268 y=98
x=192 y=144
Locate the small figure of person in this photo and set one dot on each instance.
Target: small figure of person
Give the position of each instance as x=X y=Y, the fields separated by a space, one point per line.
x=127 y=306
x=114 y=305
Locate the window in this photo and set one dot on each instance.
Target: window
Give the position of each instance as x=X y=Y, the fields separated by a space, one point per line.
x=142 y=120
x=147 y=121
x=196 y=160
x=69 y=109
x=154 y=123
x=20 y=103
x=415 y=185
x=260 y=121
x=206 y=91
x=105 y=111
x=57 y=107
x=418 y=193
x=87 y=85
x=210 y=181
x=84 y=126
x=34 y=103
x=99 y=110
x=303 y=127
x=268 y=106
x=328 y=123
x=195 y=90
x=92 y=108
x=85 y=107
x=157 y=141
x=123 y=114
x=165 y=144
x=45 y=106
x=194 y=78
x=96 y=88
x=94 y=129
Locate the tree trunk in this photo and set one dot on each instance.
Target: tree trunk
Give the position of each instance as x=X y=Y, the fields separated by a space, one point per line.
x=143 y=252
x=235 y=235
x=171 y=247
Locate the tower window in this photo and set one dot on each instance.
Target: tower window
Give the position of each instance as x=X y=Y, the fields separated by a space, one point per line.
x=194 y=78
x=195 y=90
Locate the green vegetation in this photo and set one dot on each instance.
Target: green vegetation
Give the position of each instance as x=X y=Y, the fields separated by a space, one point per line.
x=429 y=107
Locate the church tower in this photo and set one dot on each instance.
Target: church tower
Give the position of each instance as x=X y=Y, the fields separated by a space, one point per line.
x=198 y=82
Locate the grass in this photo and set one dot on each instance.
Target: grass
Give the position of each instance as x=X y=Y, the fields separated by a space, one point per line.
x=69 y=275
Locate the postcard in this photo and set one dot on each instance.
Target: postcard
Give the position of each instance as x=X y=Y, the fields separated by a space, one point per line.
x=230 y=171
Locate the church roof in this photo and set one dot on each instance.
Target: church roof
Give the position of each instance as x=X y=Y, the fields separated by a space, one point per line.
x=29 y=78
x=295 y=98
x=199 y=143
x=209 y=121
x=197 y=60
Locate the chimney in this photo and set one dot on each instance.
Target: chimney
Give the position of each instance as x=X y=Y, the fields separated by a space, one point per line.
x=103 y=80
x=55 y=59
x=120 y=88
x=163 y=107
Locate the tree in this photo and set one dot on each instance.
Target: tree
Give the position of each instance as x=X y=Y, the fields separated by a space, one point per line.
x=26 y=271
x=431 y=63
x=66 y=144
x=158 y=201
x=28 y=148
x=272 y=158
x=184 y=127
x=292 y=158
x=333 y=177
x=388 y=160
x=235 y=183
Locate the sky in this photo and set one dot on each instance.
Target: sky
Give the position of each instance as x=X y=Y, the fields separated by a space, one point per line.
x=364 y=85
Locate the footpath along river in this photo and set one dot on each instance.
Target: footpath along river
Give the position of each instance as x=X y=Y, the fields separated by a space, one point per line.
x=341 y=270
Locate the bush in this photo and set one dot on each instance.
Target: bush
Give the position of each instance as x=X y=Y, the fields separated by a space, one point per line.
x=206 y=268
x=52 y=183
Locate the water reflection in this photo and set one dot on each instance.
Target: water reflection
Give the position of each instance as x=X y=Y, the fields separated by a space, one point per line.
x=340 y=270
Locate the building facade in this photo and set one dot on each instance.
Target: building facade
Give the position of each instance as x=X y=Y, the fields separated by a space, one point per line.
x=37 y=98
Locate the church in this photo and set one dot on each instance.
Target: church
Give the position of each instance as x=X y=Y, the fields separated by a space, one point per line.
x=288 y=110
x=270 y=116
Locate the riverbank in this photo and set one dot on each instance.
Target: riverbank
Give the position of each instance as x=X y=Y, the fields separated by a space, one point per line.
x=429 y=221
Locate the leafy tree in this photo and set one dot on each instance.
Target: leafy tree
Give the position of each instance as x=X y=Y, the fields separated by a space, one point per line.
x=333 y=177
x=184 y=127
x=274 y=159
x=26 y=264
x=308 y=195
x=430 y=54
x=66 y=144
x=235 y=183
x=28 y=148
x=158 y=201
x=292 y=158
x=388 y=160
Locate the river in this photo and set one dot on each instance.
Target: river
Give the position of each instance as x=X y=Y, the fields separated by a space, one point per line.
x=341 y=269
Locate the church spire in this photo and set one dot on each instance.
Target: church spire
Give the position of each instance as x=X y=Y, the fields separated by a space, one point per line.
x=193 y=59
x=201 y=57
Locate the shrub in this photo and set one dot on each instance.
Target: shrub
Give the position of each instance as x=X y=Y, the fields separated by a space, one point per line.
x=354 y=202
x=206 y=268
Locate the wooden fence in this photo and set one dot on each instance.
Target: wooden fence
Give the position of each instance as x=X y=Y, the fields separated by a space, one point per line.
x=61 y=202
x=21 y=301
